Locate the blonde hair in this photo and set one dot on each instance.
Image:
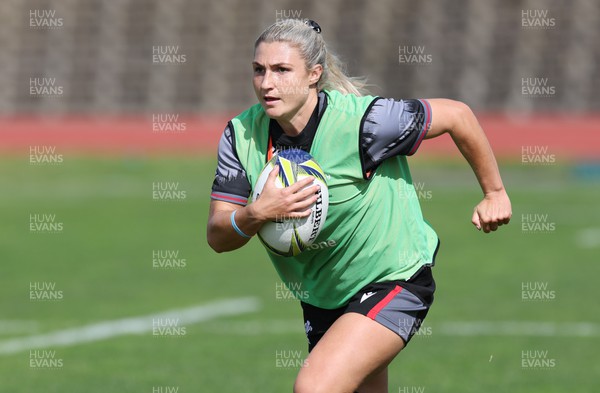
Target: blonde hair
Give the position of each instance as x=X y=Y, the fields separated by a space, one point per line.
x=307 y=38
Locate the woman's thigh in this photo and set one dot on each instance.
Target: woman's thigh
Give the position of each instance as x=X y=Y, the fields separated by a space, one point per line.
x=353 y=349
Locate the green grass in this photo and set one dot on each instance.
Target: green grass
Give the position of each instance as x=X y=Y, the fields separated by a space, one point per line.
x=102 y=263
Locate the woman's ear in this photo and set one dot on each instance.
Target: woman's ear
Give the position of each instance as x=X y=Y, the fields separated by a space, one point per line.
x=315 y=74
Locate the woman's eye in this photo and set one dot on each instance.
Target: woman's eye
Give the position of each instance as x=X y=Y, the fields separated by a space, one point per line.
x=282 y=69
x=258 y=70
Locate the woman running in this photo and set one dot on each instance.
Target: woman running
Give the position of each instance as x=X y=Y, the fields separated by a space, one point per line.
x=369 y=284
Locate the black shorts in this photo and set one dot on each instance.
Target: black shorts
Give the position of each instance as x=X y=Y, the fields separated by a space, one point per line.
x=401 y=306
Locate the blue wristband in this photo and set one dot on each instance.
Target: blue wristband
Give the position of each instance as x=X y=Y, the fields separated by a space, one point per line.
x=234 y=225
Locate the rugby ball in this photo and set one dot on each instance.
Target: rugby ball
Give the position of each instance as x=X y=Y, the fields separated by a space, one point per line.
x=290 y=236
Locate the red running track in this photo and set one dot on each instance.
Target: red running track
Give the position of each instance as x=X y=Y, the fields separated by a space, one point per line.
x=568 y=137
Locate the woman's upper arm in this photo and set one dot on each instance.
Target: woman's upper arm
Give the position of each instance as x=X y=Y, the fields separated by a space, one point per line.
x=230 y=188
x=391 y=128
x=445 y=115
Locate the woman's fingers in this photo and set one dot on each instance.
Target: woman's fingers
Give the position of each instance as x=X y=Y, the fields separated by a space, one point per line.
x=492 y=212
x=289 y=202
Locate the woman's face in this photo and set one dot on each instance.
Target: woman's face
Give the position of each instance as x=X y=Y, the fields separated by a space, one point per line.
x=281 y=81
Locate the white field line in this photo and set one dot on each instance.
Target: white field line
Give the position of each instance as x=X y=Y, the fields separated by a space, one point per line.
x=454 y=328
x=135 y=325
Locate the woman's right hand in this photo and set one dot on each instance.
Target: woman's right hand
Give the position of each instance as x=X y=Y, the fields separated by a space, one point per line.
x=274 y=203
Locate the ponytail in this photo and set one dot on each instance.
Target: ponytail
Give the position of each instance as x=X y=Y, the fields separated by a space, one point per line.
x=334 y=78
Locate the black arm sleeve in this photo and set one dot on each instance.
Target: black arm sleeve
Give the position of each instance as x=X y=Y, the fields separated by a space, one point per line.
x=230 y=183
x=393 y=128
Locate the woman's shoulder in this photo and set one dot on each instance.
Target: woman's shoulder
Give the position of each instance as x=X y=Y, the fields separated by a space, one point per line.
x=250 y=113
x=349 y=102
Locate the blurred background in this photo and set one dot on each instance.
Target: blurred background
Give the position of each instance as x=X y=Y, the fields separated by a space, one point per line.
x=479 y=52
x=110 y=114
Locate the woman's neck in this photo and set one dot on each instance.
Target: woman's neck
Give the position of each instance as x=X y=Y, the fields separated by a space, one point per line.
x=295 y=125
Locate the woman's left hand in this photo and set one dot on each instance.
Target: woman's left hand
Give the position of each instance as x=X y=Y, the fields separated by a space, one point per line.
x=494 y=210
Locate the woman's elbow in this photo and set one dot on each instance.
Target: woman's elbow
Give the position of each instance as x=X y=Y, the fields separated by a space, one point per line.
x=458 y=111
x=449 y=116
x=213 y=240
x=462 y=113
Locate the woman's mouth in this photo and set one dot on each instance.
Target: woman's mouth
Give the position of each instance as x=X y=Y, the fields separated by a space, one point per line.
x=269 y=100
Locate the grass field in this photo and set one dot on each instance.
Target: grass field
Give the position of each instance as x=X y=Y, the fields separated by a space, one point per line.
x=98 y=266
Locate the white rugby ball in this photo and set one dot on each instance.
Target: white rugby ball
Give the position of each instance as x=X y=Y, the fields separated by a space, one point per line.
x=291 y=236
